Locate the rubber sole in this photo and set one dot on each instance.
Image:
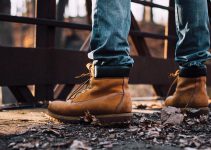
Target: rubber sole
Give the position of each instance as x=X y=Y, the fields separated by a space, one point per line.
x=195 y=112
x=124 y=118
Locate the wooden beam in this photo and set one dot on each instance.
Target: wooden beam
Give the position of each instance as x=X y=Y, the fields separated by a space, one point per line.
x=45 y=37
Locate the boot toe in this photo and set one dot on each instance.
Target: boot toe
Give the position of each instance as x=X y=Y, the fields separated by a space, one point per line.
x=56 y=107
x=169 y=101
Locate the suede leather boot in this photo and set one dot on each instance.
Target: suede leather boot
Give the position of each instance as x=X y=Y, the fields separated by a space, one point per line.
x=108 y=99
x=190 y=93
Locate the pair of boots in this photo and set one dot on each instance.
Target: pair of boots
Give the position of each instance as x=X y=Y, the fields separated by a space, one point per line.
x=109 y=99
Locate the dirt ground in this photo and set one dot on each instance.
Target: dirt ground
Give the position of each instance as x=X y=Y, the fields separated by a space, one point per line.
x=32 y=129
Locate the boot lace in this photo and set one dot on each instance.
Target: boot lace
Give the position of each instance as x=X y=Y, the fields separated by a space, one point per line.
x=85 y=84
x=173 y=75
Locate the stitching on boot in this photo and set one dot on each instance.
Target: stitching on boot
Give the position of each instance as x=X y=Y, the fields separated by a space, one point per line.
x=96 y=99
x=192 y=95
x=122 y=99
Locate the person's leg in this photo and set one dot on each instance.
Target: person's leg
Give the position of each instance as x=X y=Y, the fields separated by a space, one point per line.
x=192 y=22
x=107 y=95
x=109 y=44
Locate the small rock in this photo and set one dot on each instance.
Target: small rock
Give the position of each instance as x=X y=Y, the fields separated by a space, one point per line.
x=171 y=115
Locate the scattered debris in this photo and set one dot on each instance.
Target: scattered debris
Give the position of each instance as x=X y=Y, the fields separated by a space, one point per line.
x=168 y=128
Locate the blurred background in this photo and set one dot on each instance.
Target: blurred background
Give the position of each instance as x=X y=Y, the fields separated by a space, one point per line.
x=23 y=35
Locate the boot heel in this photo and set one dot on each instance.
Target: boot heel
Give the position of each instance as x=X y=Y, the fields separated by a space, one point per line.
x=196 y=112
x=113 y=119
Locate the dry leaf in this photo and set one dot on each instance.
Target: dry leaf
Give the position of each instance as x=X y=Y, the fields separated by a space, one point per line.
x=141 y=106
x=89 y=118
x=23 y=146
x=79 y=145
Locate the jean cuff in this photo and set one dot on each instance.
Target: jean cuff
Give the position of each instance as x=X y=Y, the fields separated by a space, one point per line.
x=112 y=71
x=193 y=72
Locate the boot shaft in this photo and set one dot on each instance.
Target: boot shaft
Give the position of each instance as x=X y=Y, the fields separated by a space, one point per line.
x=190 y=84
x=109 y=85
x=190 y=92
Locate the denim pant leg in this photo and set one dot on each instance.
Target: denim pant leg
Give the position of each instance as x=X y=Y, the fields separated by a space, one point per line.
x=109 y=40
x=192 y=23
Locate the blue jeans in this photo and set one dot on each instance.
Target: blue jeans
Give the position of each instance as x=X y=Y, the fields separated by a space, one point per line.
x=192 y=22
x=109 y=44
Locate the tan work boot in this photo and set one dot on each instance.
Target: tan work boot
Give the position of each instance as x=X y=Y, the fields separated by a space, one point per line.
x=209 y=103
x=106 y=98
x=190 y=93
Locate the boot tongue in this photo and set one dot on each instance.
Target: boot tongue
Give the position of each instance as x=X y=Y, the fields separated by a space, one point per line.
x=91 y=69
